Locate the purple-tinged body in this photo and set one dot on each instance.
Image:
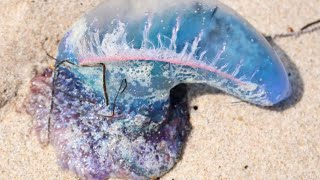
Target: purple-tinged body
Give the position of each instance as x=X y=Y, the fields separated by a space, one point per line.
x=138 y=130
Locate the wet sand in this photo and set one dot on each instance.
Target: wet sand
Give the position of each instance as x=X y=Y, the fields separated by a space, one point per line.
x=229 y=140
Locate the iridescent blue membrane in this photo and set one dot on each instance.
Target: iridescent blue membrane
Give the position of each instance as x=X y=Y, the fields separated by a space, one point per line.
x=140 y=132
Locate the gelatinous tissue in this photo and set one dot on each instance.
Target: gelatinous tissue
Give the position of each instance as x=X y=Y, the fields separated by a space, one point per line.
x=108 y=99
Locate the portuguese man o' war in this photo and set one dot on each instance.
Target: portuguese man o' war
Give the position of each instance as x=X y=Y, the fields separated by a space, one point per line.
x=108 y=100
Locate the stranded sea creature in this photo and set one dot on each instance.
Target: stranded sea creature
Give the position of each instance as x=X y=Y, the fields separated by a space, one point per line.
x=112 y=114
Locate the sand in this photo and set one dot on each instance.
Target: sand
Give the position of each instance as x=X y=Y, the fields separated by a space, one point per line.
x=229 y=140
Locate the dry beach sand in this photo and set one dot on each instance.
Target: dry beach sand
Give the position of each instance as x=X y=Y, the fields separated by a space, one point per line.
x=229 y=140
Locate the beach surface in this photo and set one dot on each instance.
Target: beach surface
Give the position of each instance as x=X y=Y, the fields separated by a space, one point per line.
x=230 y=139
